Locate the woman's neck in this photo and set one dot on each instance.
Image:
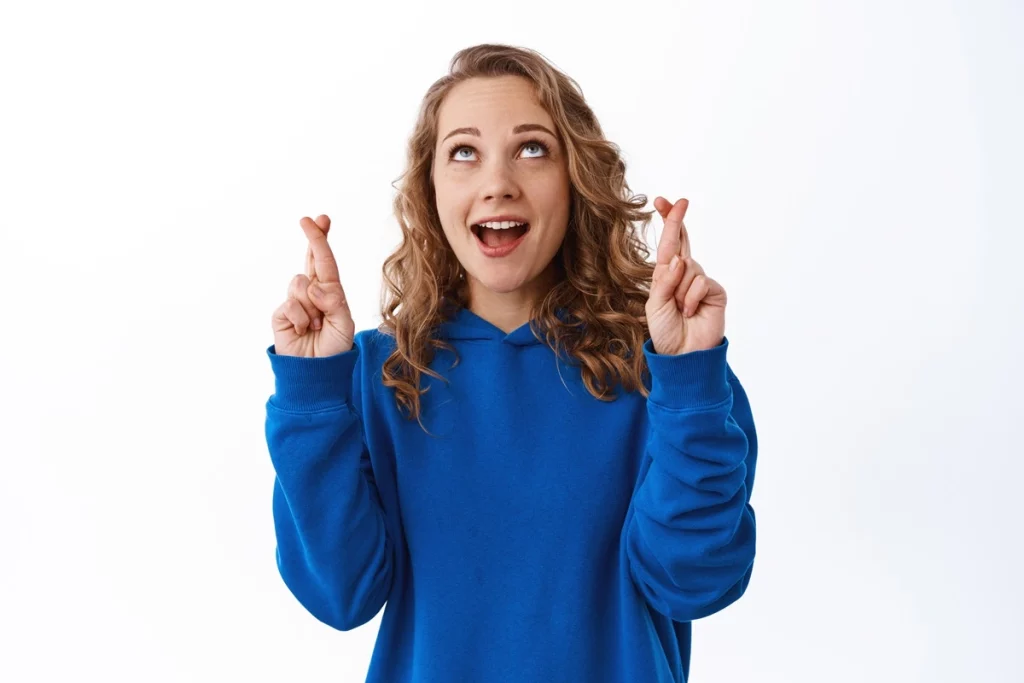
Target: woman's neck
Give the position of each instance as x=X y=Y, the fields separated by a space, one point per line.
x=509 y=311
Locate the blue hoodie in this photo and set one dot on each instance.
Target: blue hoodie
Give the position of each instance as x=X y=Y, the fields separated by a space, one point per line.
x=537 y=533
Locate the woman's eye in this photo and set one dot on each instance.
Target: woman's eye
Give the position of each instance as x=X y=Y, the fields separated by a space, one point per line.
x=531 y=150
x=534 y=146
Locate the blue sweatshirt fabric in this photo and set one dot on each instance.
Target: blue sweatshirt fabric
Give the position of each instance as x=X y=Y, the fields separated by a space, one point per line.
x=537 y=533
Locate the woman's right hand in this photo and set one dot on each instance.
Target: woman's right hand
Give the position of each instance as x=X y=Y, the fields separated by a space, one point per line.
x=311 y=324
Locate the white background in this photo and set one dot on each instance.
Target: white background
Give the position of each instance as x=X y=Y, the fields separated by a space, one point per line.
x=855 y=180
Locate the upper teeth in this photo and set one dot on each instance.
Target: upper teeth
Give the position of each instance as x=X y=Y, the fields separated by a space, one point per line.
x=500 y=225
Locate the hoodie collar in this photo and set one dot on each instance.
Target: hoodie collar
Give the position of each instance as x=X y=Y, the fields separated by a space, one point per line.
x=468 y=326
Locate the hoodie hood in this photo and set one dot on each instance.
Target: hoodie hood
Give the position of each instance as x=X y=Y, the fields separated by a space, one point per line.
x=465 y=325
x=468 y=326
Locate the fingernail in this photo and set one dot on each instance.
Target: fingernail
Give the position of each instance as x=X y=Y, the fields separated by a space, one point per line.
x=317 y=324
x=673 y=264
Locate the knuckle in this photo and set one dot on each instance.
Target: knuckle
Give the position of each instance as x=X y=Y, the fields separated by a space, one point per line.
x=330 y=298
x=298 y=284
x=333 y=294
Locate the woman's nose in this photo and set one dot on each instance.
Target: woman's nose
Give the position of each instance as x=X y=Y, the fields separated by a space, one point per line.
x=499 y=182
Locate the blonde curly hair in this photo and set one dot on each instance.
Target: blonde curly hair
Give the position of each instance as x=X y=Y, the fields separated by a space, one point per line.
x=603 y=263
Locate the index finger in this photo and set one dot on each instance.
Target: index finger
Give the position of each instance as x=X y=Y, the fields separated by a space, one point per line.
x=674 y=238
x=324 y=222
x=324 y=267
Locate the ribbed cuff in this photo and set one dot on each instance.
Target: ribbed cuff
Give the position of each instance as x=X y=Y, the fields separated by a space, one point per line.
x=310 y=384
x=690 y=380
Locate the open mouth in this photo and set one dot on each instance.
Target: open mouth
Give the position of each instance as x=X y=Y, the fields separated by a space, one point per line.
x=498 y=235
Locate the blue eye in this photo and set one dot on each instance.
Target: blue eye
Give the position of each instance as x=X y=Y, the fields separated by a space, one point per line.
x=538 y=144
x=454 y=152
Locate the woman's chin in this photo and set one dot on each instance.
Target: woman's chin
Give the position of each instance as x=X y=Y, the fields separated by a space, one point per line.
x=501 y=283
x=511 y=278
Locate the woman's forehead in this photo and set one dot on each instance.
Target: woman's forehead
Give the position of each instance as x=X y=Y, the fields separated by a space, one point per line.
x=492 y=106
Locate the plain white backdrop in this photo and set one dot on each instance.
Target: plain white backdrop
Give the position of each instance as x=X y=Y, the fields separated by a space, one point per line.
x=854 y=176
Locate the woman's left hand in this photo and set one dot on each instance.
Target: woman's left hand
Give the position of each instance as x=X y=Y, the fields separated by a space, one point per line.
x=685 y=308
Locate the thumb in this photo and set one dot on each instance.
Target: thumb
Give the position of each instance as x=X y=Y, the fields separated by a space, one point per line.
x=329 y=298
x=667 y=277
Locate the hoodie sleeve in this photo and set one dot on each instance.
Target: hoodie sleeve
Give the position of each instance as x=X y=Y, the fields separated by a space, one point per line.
x=333 y=549
x=690 y=536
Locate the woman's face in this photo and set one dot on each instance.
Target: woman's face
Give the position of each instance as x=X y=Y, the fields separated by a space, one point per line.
x=497 y=157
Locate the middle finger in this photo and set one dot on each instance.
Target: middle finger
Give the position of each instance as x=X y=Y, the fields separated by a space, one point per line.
x=324 y=266
x=299 y=290
x=692 y=270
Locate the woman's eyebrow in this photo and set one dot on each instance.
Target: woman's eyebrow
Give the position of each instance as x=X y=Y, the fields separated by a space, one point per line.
x=521 y=128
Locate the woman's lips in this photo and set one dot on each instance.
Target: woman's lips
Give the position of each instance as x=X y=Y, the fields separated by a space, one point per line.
x=498 y=250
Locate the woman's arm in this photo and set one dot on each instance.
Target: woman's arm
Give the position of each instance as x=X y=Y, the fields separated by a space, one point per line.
x=333 y=549
x=690 y=533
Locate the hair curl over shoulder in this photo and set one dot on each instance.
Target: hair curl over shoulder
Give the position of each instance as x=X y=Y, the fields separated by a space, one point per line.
x=603 y=262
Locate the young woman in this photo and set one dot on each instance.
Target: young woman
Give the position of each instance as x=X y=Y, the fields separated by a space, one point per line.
x=541 y=462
